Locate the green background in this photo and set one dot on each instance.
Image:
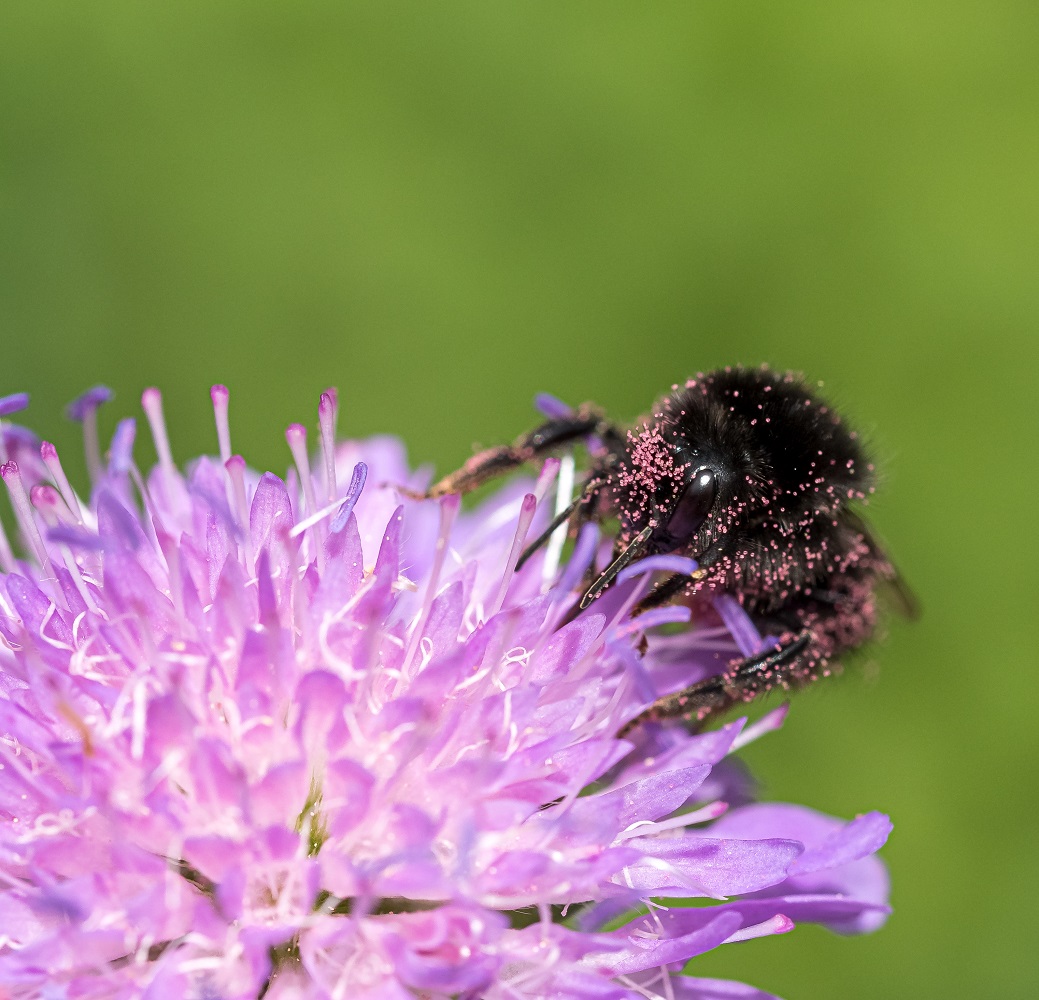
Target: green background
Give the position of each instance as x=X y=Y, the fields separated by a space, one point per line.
x=445 y=208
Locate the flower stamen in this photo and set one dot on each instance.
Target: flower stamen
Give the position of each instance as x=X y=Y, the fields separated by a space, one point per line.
x=526 y=515
x=83 y=410
x=221 y=396
x=328 y=416
x=151 y=402
x=23 y=513
x=49 y=455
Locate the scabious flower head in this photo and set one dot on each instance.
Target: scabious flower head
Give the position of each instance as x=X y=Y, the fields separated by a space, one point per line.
x=287 y=737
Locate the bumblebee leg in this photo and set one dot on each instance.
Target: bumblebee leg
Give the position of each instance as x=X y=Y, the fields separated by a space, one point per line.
x=496 y=461
x=782 y=666
x=667 y=589
x=622 y=558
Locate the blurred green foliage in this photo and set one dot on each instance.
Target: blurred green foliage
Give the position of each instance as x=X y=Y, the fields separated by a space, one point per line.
x=444 y=208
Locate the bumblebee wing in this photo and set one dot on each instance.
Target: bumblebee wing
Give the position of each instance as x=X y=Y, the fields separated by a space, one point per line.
x=900 y=595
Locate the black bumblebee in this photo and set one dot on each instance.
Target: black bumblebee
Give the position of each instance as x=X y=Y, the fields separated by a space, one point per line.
x=751 y=474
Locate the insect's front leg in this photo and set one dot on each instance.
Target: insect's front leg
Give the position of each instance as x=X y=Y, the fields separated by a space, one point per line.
x=582 y=423
x=667 y=590
x=788 y=664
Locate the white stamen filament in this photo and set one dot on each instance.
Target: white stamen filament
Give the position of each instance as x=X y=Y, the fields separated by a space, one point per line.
x=235 y=467
x=554 y=550
x=448 y=512
x=682 y=880
x=643 y=989
x=296 y=436
x=308 y=522
x=24 y=514
x=644 y=828
x=51 y=507
x=546 y=477
x=49 y=454
x=779 y=924
x=151 y=401
x=491 y=525
x=91 y=448
x=769 y=722
x=140 y=711
x=527 y=509
x=220 y=396
x=77 y=578
x=328 y=416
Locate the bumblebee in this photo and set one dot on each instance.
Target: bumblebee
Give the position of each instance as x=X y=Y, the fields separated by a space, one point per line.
x=749 y=472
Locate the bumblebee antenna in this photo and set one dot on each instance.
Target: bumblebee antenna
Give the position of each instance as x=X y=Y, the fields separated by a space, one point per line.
x=629 y=555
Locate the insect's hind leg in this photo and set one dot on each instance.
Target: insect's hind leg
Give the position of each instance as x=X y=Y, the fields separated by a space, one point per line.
x=788 y=664
x=485 y=465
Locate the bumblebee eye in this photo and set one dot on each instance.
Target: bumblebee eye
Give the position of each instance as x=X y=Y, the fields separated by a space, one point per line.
x=694 y=506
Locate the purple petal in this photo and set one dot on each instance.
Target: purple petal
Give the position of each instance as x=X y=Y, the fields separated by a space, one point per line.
x=647 y=952
x=32 y=605
x=121 y=449
x=217 y=779
x=828 y=842
x=658 y=564
x=213 y=856
x=693 y=865
x=266 y=597
x=271 y=511
x=80 y=538
x=387 y=563
x=280 y=795
x=353 y=492
x=855 y=873
x=346 y=794
x=824 y=908
x=580 y=559
x=345 y=565
x=319 y=700
x=568 y=646
x=863 y=836
x=448 y=951
x=116 y=526
x=692 y=988
x=738 y=622
x=132 y=591
x=673 y=615
x=638 y=801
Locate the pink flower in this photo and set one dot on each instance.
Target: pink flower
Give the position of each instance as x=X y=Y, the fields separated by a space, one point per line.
x=288 y=738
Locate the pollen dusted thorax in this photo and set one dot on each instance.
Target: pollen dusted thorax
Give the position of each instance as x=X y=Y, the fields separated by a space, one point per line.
x=787 y=469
